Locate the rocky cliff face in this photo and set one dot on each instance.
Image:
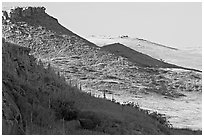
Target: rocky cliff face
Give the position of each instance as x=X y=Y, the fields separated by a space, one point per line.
x=35 y=16
x=18 y=13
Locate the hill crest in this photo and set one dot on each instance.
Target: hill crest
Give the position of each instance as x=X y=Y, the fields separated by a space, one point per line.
x=136 y=57
x=36 y=17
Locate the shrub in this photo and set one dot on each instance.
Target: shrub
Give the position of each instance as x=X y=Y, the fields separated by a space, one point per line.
x=64 y=110
x=160 y=118
x=89 y=119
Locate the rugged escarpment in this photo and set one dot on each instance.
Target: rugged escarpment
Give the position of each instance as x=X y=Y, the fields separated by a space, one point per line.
x=82 y=63
x=22 y=17
x=33 y=16
x=23 y=12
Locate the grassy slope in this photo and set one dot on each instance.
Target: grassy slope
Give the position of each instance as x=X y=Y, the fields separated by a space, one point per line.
x=137 y=57
x=134 y=56
x=42 y=88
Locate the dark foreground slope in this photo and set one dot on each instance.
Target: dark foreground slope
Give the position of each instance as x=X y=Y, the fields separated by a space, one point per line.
x=36 y=100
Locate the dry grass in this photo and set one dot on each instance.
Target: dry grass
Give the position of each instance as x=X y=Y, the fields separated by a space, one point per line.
x=34 y=89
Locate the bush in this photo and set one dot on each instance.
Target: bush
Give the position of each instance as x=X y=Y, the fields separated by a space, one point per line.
x=89 y=119
x=160 y=118
x=64 y=110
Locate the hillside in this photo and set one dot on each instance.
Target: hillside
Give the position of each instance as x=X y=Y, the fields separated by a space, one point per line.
x=37 y=100
x=138 y=58
x=95 y=71
x=188 y=57
x=76 y=58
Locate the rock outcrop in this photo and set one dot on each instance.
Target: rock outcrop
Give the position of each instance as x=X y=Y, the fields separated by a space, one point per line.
x=17 y=13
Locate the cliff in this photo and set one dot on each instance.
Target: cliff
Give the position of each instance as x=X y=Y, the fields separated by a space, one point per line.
x=36 y=16
x=18 y=13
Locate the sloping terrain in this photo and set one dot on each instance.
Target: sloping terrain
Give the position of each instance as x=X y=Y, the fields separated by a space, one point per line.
x=76 y=58
x=83 y=64
x=190 y=57
x=36 y=100
x=136 y=57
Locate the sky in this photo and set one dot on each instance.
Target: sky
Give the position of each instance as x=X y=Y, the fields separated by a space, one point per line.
x=177 y=24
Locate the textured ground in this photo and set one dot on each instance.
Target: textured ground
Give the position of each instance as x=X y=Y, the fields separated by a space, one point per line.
x=84 y=64
x=190 y=57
